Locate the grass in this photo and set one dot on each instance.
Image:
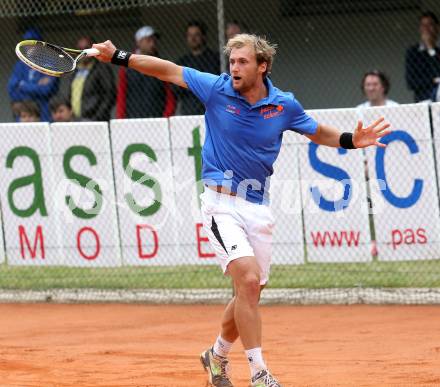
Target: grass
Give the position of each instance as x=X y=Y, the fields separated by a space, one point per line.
x=422 y=274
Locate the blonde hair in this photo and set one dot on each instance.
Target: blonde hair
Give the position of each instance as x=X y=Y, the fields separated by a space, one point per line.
x=264 y=51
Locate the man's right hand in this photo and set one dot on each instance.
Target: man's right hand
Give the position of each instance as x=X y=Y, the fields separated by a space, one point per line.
x=149 y=65
x=106 y=49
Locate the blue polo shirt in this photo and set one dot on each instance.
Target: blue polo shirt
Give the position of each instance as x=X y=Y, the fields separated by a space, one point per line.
x=242 y=141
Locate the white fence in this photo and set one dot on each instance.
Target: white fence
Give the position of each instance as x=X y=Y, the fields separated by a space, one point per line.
x=92 y=194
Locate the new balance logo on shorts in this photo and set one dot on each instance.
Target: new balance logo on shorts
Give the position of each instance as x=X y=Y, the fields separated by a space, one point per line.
x=233 y=247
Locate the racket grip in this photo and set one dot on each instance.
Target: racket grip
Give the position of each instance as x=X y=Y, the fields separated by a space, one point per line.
x=91 y=51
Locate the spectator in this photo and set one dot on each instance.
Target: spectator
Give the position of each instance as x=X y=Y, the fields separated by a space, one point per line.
x=91 y=88
x=139 y=96
x=201 y=58
x=233 y=28
x=28 y=111
x=26 y=84
x=375 y=86
x=61 y=110
x=422 y=63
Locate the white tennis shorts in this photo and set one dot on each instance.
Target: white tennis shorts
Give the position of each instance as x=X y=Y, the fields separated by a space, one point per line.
x=238 y=228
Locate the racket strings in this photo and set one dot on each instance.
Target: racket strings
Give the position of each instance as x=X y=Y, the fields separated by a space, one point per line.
x=48 y=57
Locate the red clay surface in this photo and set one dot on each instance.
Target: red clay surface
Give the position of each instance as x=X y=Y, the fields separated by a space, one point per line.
x=109 y=345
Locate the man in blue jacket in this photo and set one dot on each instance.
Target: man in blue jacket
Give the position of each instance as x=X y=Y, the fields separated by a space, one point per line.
x=26 y=84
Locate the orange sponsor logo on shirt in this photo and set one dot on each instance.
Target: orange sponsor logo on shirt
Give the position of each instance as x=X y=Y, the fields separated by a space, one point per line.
x=271 y=111
x=266 y=109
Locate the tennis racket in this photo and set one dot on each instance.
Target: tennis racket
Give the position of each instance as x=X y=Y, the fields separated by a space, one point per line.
x=51 y=59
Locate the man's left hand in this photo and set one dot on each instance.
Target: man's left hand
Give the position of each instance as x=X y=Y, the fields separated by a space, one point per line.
x=363 y=137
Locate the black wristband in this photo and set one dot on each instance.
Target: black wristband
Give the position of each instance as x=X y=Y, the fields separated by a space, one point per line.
x=346 y=141
x=121 y=58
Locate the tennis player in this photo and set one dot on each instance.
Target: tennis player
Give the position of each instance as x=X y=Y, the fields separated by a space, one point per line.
x=245 y=120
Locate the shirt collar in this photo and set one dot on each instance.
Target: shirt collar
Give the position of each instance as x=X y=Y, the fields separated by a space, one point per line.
x=430 y=51
x=272 y=93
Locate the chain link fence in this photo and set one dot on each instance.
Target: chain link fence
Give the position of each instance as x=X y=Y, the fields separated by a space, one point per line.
x=109 y=199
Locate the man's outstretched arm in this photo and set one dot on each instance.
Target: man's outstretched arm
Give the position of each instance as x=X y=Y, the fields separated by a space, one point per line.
x=149 y=65
x=361 y=138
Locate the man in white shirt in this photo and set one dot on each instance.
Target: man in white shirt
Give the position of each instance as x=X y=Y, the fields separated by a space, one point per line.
x=375 y=86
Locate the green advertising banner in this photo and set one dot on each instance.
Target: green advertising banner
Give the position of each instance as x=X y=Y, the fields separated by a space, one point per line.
x=32 y=234
x=84 y=194
x=187 y=136
x=145 y=192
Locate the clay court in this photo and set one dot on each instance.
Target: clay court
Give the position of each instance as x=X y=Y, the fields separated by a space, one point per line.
x=108 y=345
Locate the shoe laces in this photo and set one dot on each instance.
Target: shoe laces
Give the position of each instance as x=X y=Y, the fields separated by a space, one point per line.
x=225 y=368
x=270 y=381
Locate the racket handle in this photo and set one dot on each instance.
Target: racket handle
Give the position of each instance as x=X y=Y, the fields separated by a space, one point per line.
x=91 y=51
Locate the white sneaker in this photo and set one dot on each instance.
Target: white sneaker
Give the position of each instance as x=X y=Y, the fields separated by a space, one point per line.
x=264 y=379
